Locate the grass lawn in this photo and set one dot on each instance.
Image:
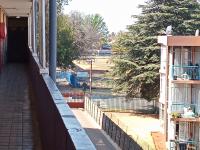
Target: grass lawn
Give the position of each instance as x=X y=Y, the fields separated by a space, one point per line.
x=102 y=63
x=138 y=126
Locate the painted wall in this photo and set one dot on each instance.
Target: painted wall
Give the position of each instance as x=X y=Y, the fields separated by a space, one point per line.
x=162 y=85
x=163 y=75
x=3 y=37
x=183 y=93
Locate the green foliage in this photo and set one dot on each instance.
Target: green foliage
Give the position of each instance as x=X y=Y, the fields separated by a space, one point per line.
x=99 y=25
x=120 y=40
x=61 y=4
x=67 y=51
x=77 y=33
x=89 y=30
x=136 y=72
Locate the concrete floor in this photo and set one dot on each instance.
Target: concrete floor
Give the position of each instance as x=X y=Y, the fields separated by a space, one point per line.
x=95 y=133
x=18 y=126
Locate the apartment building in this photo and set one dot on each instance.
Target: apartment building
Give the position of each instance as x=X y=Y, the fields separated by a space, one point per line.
x=180 y=91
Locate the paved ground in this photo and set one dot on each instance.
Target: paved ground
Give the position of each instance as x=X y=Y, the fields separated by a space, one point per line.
x=17 y=129
x=97 y=136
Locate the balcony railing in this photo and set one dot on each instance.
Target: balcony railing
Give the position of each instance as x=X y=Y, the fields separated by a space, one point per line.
x=179 y=108
x=185 y=72
x=189 y=144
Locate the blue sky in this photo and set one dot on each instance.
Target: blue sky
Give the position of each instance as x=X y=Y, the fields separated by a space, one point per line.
x=116 y=13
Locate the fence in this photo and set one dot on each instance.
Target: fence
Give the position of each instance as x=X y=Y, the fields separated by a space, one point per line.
x=92 y=108
x=119 y=133
x=120 y=104
x=117 y=130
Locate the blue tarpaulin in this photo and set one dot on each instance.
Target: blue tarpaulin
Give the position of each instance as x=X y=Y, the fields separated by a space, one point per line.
x=70 y=77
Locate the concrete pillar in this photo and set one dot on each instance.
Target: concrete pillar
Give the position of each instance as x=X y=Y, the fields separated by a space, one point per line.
x=34 y=12
x=30 y=31
x=43 y=32
x=52 y=39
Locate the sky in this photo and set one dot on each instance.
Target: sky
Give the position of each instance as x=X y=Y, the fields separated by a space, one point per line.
x=116 y=13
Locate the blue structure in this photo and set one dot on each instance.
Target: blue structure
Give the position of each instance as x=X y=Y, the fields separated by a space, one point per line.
x=70 y=77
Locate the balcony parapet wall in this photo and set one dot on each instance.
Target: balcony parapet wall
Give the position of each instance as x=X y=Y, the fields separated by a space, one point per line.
x=59 y=128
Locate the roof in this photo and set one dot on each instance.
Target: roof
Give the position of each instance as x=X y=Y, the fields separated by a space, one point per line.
x=179 y=40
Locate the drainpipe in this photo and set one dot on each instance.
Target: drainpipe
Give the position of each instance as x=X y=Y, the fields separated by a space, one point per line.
x=52 y=38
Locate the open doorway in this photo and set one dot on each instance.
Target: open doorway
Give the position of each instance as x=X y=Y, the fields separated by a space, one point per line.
x=17 y=39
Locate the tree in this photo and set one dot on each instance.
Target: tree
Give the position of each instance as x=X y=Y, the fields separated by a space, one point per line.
x=67 y=51
x=89 y=30
x=118 y=43
x=137 y=72
x=61 y=4
x=98 y=24
x=77 y=34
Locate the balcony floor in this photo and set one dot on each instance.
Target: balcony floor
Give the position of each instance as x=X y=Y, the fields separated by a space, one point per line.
x=18 y=125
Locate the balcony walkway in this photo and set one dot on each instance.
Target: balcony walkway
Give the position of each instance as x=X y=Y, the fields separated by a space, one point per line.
x=18 y=128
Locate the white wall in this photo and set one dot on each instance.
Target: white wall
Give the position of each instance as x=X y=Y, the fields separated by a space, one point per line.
x=163 y=74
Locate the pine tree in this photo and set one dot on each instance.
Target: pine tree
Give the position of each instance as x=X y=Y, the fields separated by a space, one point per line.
x=137 y=72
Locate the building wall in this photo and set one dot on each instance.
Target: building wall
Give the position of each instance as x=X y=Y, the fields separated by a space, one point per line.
x=3 y=37
x=183 y=93
x=162 y=86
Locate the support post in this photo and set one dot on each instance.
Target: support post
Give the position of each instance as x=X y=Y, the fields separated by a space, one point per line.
x=34 y=26
x=166 y=95
x=43 y=32
x=91 y=77
x=30 y=31
x=52 y=39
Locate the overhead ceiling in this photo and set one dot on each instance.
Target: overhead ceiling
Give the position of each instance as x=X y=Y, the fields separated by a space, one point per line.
x=16 y=7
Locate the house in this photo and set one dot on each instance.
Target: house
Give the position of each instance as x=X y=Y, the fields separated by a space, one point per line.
x=180 y=91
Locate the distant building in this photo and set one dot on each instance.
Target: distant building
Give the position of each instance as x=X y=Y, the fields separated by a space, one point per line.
x=106 y=49
x=180 y=91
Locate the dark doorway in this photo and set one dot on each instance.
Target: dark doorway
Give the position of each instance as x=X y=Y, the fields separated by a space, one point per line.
x=17 y=39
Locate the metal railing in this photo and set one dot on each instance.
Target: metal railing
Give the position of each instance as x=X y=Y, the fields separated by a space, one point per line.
x=185 y=72
x=116 y=129
x=179 y=107
x=178 y=144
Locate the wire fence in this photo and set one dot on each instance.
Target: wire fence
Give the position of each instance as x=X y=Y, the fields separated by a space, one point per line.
x=120 y=104
x=116 y=129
